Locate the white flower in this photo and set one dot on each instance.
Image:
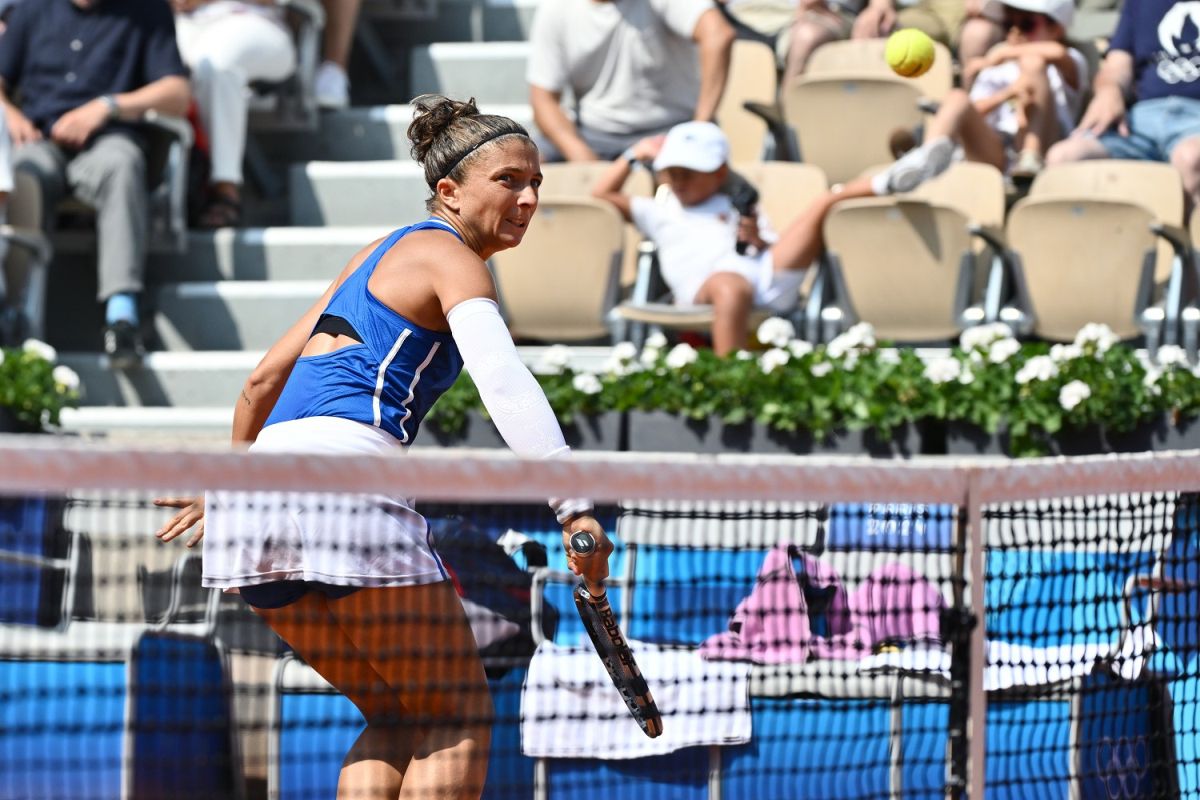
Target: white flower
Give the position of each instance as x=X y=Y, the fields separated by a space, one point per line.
x=821 y=369
x=775 y=331
x=1038 y=368
x=555 y=359
x=891 y=357
x=984 y=335
x=743 y=355
x=967 y=377
x=40 y=349
x=65 y=377
x=1098 y=334
x=587 y=383
x=681 y=355
x=624 y=351
x=1002 y=349
x=799 y=348
x=1065 y=352
x=618 y=366
x=1 y=356
x=772 y=359
x=943 y=370
x=1170 y=355
x=840 y=345
x=1073 y=394
x=1151 y=380
x=656 y=341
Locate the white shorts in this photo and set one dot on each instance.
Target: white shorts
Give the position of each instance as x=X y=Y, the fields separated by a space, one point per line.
x=778 y=291
x=342 y=539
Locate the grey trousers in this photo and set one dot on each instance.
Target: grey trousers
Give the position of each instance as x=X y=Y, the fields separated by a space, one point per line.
x=606 y=146
x=110 y=176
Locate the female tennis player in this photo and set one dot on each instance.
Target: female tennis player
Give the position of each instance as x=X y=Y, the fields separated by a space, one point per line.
x=356 y=588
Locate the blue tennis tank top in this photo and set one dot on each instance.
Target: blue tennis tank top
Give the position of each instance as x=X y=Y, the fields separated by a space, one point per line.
x=390 y=380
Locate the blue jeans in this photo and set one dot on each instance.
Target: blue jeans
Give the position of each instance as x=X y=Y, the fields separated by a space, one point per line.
x=1155 y=128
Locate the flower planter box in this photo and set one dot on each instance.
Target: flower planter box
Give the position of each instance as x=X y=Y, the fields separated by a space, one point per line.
x=10 y=424
x=601 y=432
x=657 y=431
x=964 y=439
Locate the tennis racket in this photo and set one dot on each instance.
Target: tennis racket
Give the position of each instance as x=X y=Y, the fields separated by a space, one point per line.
x=601 y=624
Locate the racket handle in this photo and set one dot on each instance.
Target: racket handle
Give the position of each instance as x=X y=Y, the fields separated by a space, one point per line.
x=583 y=545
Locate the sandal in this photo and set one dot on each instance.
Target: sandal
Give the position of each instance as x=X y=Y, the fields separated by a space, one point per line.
x=222 y=211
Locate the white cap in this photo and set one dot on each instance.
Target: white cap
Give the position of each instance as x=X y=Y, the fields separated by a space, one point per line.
x=700 y=146
x=1061 y=11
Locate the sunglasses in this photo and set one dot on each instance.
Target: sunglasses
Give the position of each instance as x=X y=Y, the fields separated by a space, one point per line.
x=1027 y=22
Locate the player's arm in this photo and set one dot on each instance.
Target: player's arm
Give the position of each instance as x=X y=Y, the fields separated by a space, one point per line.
x=714 y=37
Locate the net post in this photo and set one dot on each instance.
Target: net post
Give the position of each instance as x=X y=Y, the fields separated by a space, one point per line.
x=968 y=663
x=957 y=624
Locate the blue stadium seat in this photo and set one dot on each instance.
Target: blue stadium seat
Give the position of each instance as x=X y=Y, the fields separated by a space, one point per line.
x=682 y=775
x=33 y=561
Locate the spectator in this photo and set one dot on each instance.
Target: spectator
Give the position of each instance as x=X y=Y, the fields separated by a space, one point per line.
x=1146 y=102
x=227 y=44
x=634 y=69
x=85 y=70
x=1024 y=96
x=708 y=252
x=944 y=20
x=332 y=84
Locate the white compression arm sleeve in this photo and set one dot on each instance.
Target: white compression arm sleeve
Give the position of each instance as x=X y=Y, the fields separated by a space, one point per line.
x=508 y=390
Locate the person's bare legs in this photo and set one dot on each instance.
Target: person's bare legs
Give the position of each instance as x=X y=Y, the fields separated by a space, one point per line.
x=810 y=30
x=731 y=297
x=1076 y=147
x=340 y=18
x=1042 y=128
x=417 y=638
x=977 y=36
x=957 y=119
x=802 y=240
x=1185 y=158
x=375 y=765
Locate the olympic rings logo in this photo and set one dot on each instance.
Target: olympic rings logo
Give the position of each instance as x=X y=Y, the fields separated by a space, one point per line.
x=1121 y=764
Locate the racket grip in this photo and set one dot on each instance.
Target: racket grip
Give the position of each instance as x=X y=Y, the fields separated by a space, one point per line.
x=583 y=545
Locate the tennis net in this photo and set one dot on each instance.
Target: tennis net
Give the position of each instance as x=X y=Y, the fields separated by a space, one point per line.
x=826 y=628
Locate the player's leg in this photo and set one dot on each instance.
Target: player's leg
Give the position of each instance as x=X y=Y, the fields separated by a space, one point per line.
x=418 y=640
x=731 y=295
x=375 y=765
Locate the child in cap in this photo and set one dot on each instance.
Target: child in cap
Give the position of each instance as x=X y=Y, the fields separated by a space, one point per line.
x=1024 y=96
x=697 y=228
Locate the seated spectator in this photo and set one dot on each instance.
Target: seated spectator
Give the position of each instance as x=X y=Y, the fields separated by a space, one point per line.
x=1024 y=96
x=962 y=26
x=111 y=62
x=1146 y=99
x=708 y=252
x=331 y=83
x=635 y=69
x=228 y=44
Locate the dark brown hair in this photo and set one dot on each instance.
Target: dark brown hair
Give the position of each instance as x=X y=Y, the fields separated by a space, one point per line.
x=446 y=134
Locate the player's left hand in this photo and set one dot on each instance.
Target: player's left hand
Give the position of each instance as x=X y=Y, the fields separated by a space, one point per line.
x=192 y=513
x=74 y=128
x=593 y=568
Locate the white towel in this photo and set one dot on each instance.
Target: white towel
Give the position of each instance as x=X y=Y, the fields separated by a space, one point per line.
x=570 y=708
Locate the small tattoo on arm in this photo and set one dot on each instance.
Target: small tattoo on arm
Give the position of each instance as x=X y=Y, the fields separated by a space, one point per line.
x=245 y=398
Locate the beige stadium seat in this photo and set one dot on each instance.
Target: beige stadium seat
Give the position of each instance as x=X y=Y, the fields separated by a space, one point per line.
x=843 y=123
x=918 y=266
x=575 y=179
x=865 y=57
x=752 y=78
x=561 y=283
x=1082 y=260
x=784 y=190
x=1157 y=188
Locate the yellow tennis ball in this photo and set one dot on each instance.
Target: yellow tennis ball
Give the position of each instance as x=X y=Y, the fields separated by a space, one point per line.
x=909 y=52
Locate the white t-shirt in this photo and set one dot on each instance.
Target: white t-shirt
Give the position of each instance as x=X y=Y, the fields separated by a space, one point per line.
x=695 y=241
x=631 y=64
x=1003 y=118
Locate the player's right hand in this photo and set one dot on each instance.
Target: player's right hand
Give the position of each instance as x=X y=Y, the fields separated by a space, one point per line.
x=593 y=568
x=192 y=513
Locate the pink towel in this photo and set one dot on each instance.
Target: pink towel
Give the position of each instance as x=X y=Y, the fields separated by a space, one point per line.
x=772 y=625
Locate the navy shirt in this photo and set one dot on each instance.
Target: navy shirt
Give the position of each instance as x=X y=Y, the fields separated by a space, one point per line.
x=1163 y=36
x=57 y=56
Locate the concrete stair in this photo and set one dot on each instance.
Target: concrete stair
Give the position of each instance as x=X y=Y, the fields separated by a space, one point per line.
x=357 y=193
x=494 y=71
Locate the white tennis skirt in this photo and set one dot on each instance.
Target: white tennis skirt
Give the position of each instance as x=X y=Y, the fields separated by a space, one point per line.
x=342 y=539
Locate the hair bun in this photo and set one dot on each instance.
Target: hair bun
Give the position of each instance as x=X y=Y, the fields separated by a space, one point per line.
x=434 y=115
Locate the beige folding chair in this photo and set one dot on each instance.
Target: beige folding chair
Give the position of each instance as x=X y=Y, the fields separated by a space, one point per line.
x=561 y=283
x=843 y=123
x=1157 y=188
x=752 y=78
x=575 y=179
x=865 y=57
x=784 y=189
x=1081 y=260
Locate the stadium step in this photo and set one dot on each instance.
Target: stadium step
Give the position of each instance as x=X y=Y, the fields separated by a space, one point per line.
x=368 y=133
x=357 y=193
x=230 y=315
x=491 y=72
x=137 y=423
x=264 y=254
